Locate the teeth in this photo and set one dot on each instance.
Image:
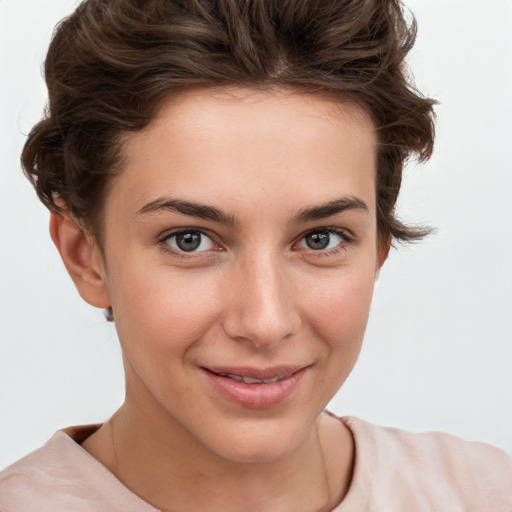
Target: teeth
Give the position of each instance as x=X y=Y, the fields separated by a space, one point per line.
x=250 y=380
x=231 y=376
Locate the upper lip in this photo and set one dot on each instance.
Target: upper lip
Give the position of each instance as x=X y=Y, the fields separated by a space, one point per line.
x=257 y=373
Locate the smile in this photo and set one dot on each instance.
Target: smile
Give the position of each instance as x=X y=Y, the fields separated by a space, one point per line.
x=256 y=389
x=252 y=380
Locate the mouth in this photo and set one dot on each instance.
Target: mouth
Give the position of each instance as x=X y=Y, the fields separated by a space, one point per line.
x=250 y=375
x=256 y=388
x=253 y=380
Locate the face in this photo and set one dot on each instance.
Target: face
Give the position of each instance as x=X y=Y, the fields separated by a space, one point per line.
x=240 y=256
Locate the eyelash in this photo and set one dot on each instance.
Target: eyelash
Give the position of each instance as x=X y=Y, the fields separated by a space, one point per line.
x=346 y=240
x=343 y=234
x=163 y=242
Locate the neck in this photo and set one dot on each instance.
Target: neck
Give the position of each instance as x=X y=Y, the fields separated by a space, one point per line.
x=171 y=471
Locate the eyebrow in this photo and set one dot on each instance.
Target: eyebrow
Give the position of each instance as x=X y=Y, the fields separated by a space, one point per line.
x=322 y=211
x=201 y=211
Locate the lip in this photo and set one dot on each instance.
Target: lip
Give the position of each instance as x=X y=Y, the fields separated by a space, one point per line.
x=257 y=395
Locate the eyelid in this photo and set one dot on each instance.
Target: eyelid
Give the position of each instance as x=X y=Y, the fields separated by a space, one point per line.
x=164 y=237
x=346 y=235
x=347 y=238
x=344 y=232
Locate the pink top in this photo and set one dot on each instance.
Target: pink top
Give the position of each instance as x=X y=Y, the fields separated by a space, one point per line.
x=395 y=471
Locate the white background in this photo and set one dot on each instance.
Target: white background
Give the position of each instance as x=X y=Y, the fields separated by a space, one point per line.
x=438 y=350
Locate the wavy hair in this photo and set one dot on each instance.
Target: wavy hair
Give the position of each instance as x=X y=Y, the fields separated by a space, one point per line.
x=112 y=63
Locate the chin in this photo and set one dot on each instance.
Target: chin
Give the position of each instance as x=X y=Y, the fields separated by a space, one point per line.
x=259 y=444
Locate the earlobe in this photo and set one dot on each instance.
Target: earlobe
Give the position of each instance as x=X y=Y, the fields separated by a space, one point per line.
x=82 y=258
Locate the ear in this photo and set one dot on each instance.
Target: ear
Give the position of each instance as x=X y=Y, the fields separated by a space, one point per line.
x=382 y=254
x=82 y=258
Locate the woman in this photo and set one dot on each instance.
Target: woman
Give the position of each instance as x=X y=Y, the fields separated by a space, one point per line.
x=222 y=179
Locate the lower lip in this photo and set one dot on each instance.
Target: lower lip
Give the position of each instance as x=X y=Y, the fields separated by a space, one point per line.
x=255 y=396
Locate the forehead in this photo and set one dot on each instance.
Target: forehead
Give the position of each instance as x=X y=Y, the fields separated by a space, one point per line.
x=252 y=142
x=251 y=113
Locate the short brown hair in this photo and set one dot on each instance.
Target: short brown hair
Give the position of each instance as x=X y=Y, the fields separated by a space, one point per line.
x=112 y=63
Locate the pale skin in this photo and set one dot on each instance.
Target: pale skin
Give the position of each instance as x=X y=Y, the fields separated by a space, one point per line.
x=278 y=190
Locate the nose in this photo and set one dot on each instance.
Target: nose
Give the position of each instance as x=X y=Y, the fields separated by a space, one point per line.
x=260 y=307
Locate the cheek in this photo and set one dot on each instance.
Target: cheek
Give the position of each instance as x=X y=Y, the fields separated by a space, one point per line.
x=340 y=319
x=335 y=307
x=162 y=310
x=339 y=310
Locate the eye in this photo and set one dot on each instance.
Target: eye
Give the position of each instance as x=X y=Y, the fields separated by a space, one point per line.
x=189 y=240
x=323 y=239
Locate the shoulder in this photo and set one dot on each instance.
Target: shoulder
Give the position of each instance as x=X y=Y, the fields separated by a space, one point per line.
x=428 y=471
x=62 y=472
